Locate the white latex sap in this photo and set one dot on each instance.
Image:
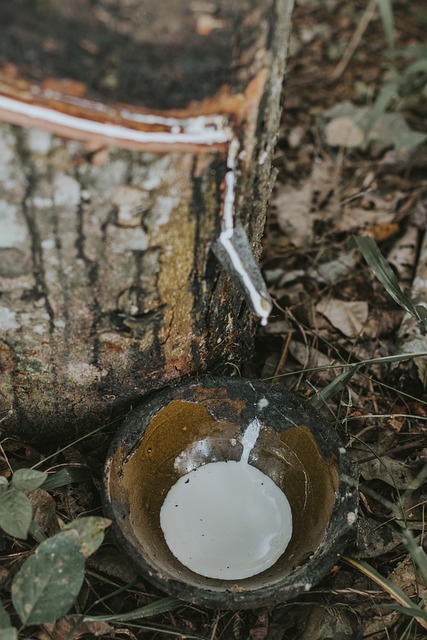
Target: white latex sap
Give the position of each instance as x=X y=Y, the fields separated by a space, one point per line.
x=227 y=519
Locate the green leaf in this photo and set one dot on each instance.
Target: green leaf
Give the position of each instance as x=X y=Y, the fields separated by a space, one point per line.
x=387 y=277
x=409 y=140
x=15 y=513
x=6 y=631
x=28 y=479
x=3 y=483
x=10 y=633
x=66 y=475
x=153 y=609
x=90 y=532
x=49 y=581
x=4 y=617
x=419 y=66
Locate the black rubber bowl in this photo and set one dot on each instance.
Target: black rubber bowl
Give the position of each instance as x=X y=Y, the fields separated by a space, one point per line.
x=182 y=428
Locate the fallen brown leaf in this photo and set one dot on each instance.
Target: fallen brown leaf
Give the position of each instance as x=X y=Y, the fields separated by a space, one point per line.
x=409 y=580
x=44 y=511
x=348 y=317
x=63 y=628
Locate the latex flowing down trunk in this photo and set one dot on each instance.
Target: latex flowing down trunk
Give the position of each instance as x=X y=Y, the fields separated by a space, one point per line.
x=134 y=135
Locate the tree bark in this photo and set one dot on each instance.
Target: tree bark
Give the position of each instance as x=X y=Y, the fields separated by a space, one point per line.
x=118 y=125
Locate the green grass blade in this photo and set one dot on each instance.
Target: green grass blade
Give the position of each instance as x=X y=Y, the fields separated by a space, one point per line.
x=386 y=95
x=414 y=612
x=37 y=533
x=417 y=553
x=393 y=590
x=77 y=440
x=153 y=609
x=339 y=383
x=419 y=66
x=398 y=357
x=66 y=475
x=387 y=19
x=322 y=397
x=387 y=277
x=421 y=311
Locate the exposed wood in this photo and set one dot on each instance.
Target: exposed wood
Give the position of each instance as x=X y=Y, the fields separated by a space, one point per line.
x=132 y=66
x=143 y=53
x=109 y=287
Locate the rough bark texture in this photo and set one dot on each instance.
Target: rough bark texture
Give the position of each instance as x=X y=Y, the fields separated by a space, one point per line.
x=108 y=285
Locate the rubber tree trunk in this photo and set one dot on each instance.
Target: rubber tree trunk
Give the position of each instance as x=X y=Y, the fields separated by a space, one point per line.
x=131 y=133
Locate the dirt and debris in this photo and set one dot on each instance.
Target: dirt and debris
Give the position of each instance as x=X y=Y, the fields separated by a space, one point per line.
x=337 y=179
x=330 y=311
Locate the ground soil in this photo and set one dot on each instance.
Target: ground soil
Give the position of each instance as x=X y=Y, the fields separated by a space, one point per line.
x=330 y=310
